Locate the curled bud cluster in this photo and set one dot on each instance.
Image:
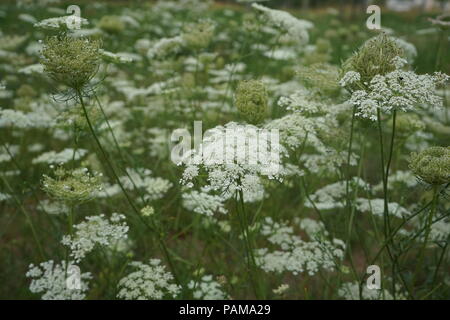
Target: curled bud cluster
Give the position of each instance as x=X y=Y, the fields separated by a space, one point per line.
x=251 y=100
x=75 y=186
x=432 y=165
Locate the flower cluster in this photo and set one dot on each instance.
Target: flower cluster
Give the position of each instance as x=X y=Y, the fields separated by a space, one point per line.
x=50 y=280
x=72 y=186
x=95 y=231
x=396 y=90
x=149 y=282
x=296 y=28
x=207 y=289
x=296 y=255
x=350 y=291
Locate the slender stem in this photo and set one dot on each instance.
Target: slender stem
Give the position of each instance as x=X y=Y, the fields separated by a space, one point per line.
x=27 y=217
x=251 y=261
x=107 y=161
x=428 y=225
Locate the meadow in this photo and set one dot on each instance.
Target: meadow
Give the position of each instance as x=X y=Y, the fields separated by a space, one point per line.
x=106 y=192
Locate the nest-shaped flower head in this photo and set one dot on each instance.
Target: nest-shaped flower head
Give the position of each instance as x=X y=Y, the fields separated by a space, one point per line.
x=432 y=165
x=75 y=186
x=375 y=57
x=71 y=61
x=251 y=100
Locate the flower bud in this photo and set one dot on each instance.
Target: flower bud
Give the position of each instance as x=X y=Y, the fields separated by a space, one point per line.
x=251 y=100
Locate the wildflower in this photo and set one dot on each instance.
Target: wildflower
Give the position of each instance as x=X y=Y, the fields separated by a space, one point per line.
x=350 y=291
x=207 y=289
x=165 y=47
x=204 y=203
x=281 y=289
x=149 y=281
x=50 y=280
x=397 y=90
x=432 y=165
x=296 y=255
x=73 y=62
x=61 y=23
x=376 y=207
x=251 y=100
x=296 y=28
x=62 y=157
x=235 y=157
x=198 y=35
x=374 y=58
x=95 y=231
x=75 y=186
x=349 y=78
x=155 y=187
x=147 y=211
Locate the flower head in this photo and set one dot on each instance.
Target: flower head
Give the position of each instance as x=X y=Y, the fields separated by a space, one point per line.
x=71 y=61
x=75 y=186
x=432 y=165
x=251 y=100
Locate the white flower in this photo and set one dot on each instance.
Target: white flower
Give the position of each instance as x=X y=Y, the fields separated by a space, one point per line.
x=349 y=78
x=164 y=47
x=376 y=207
x=398 y=90
x=62 y=157
x=207 y=289
x=296 y=255
x=61 y=22
x=96 y=230
x=155 y=187
x=234 y=157
x=296 y=28
x=332 y=196
x=203 y=203
x=50 y=280
x=350 y=291
x=149 y=281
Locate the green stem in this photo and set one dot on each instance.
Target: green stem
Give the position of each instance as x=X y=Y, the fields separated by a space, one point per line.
x=135 y=209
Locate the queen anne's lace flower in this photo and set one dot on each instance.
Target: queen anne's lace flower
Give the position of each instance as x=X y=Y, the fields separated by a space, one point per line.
x=332 y=196
x=155 y=187
x=207 y=289
x=296 y=255
x=376 y=207
x=60 y=157
x=72 y=186
x=149 y=282
x=50 y=280
x=203 y=203
x=350 y=291
x=235 y=157
x=397 y=90
x=95 y=231
x=296 y=28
